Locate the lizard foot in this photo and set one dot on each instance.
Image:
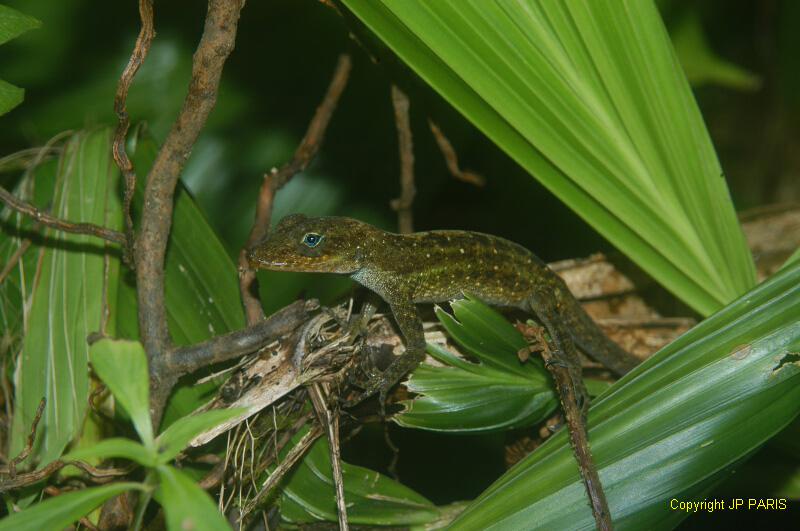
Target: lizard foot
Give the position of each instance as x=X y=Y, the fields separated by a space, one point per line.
x=377 y=385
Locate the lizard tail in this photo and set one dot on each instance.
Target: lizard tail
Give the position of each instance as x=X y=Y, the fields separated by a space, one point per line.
x=590 y=338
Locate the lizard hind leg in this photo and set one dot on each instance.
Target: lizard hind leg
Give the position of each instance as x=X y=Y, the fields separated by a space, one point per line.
x=411 y=329
x=563 y=348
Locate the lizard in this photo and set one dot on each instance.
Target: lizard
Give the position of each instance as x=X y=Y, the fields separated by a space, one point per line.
x=433 y=267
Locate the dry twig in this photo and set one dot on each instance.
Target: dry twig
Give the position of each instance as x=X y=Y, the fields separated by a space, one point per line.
x=330 y=419
x=140 y=50
x=26 y=451
x=451 y=159
x=294 y=455
x=405 y=143
x=276 y=179
x=46 y=219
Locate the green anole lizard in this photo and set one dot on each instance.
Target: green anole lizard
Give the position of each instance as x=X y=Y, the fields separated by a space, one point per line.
x=438 y=266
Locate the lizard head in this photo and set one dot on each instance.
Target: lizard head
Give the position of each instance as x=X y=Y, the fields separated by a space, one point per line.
x=318 y=245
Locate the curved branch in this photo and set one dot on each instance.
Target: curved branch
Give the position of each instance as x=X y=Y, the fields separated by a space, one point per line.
x=138 y=56
x=216 y=44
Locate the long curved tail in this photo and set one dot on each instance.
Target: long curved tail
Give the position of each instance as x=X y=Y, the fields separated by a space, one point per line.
x=590 y=338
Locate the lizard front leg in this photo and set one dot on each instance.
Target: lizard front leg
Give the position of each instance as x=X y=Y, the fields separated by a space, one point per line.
x=405 y=313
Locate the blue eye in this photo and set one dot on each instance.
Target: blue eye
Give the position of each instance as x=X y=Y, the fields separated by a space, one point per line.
x=312 y=239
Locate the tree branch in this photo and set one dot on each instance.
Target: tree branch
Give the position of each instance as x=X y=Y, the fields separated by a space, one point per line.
x=56 y=223
x=276 y=179
x=184 y=360
x=216 y=44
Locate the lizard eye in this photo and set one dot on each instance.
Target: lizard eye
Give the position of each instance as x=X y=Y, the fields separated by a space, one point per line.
x=312 y=239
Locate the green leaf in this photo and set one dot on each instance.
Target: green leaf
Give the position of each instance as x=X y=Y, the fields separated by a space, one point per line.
x=10 y=96
x=701 y=64
x=372 y=499
x=63 y=510
x=122 y=365
x=497 y=393
x=115 y=447
x=186 y=505
x=12 y=24
x=177 y=436
x=67 y=299
x=589 y=98
x=16 y=290
x=674 y=427
x=793 y=259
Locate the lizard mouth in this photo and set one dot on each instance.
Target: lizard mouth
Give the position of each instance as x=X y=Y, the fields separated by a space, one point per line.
x=260 y=263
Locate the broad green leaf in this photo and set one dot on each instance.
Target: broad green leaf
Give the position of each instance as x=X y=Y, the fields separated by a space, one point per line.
x=202 y=291
x=674 y=427
x=372 y=499
x=116 y=447
x=12 y=24
x=590 y=99
x=67 y=299
x=122 y=365
x=177 y=436
x=186 y=505
x=499 y=392
x=63 y=510
x=701 y=64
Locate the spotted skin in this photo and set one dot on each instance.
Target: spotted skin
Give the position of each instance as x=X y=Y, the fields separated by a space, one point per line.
x=437 y=266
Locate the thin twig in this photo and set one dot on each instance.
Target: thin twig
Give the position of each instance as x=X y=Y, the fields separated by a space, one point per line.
x=285 y=466
x=140 y=50
x=575 y=414
x=451 y=159
x=330 y=419
x=53 y=222
x=26 y=451
x=98 y=475
x=12 y=262
x=276 y=179
x=216 y=44
x=402 y=205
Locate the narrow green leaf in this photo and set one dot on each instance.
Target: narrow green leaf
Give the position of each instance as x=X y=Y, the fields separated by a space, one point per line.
x=122 y=365
x=497 y=393
x=116 y=447
x=589 y=98
x=16 y=290
x=177 y=436
x=674 y=427
x=67 y=299
x=186 y=505
x=372 y=499
x=63 y=510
